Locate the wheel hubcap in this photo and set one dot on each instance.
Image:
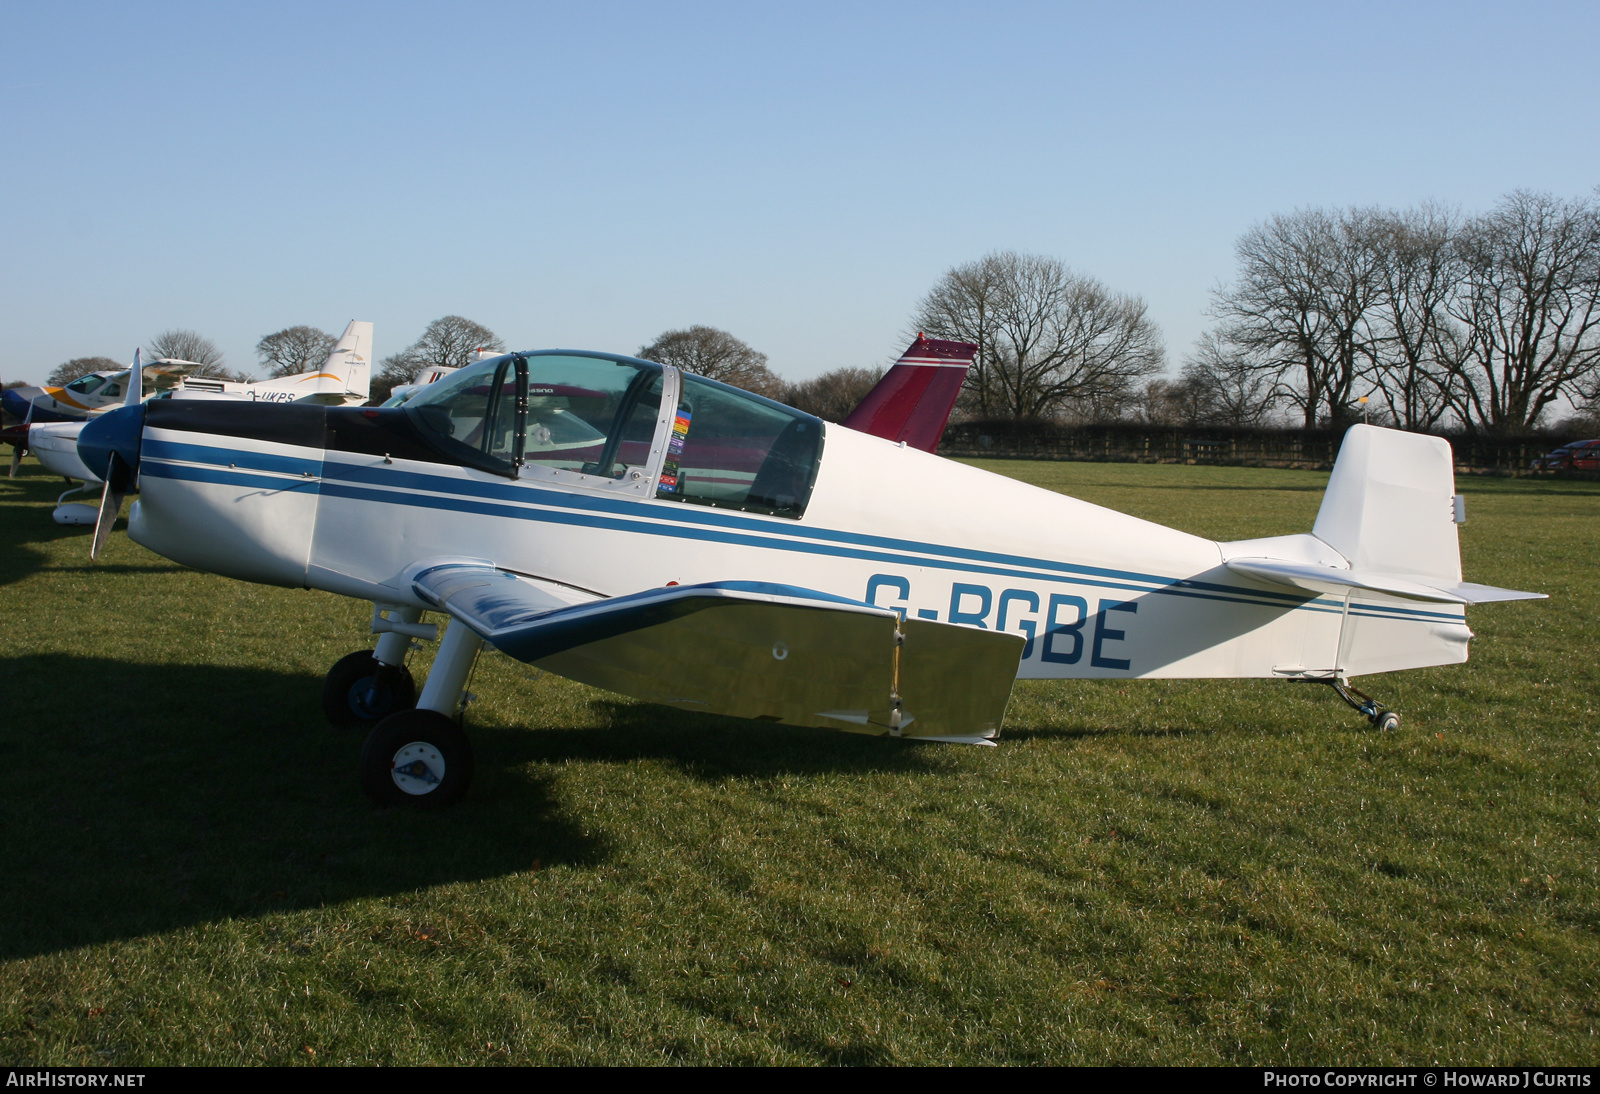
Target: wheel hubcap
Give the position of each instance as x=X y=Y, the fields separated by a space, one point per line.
x=368 y=700
x=417 y=768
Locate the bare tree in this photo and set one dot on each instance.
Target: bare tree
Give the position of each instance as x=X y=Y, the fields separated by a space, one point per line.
x=833 y=395
x=450 y=342
x=1184 y=401
x=294 y=350
x=716 y=355
x=187 y=345
x=1418 y=347
x=1584 y=421
x=1050 y=342
x=1240 y=386
x=1308 y=284
x=68 y=371
x=1530 y=304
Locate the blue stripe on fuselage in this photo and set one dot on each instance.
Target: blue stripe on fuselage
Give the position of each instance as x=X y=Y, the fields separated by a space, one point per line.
x=566 y=509
x=159 y=449
x=394 y=486
x=225 y=477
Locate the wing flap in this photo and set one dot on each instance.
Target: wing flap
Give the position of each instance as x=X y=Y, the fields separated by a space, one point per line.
x=1311 y=577
x=746 y=649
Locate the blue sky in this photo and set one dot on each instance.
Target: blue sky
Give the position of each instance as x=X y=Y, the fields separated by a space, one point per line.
x=590 y=175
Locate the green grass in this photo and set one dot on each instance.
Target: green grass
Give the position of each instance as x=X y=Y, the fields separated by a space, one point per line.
x=1166 y=872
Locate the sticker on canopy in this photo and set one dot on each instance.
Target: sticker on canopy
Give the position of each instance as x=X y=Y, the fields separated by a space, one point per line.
x=668 y=483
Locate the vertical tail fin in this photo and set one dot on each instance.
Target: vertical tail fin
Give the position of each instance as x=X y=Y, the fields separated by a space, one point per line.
x=1390 y=504
x=351 y=359
x=913 y=401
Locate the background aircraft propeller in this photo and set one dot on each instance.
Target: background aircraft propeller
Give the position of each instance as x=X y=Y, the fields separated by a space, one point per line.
x=19 y=447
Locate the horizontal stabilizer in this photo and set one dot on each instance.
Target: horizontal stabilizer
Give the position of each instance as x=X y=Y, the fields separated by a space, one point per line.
x=1329 y=579
x=748 y=649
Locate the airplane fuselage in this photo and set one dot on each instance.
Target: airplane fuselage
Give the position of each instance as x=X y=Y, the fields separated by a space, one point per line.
x=349 y=500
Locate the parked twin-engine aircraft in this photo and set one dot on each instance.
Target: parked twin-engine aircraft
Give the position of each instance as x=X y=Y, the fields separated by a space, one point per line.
x=677 y=540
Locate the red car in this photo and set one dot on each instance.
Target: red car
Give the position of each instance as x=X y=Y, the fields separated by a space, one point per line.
x=1577 y=456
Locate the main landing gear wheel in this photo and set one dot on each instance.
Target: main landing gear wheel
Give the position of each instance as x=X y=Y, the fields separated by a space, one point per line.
x=359 y=691
x=417 y=758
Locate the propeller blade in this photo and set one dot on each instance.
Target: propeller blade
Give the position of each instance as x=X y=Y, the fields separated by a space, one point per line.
x=135 y=383
x=18 y=449
x=110 y=506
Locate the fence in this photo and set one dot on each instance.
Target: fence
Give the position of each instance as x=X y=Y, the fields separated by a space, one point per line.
x=1310 y=449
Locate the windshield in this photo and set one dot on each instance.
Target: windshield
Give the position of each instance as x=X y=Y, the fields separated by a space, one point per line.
x=83 y=385
x=592 y=415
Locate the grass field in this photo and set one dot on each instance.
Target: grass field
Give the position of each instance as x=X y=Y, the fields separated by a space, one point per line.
x=1152 y=872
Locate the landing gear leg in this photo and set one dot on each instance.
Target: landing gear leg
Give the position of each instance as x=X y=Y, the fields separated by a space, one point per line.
x=1381 y=717
x=421 y=757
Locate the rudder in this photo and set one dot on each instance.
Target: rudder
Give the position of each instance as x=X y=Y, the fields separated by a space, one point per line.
x=1390 y=505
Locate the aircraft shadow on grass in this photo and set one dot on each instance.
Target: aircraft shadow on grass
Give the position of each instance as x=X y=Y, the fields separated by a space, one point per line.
x=168 y=796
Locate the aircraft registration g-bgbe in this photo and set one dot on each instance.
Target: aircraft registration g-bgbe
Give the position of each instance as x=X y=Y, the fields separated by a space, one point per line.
x=674 y=539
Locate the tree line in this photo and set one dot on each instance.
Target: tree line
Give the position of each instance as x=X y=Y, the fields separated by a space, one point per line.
x=1479 y=321
x=1422 y=318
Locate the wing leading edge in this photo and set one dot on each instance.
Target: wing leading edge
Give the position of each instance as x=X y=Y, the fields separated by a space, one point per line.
x=747 y=649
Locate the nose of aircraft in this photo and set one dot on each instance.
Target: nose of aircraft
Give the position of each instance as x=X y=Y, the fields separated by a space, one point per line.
x=16 y=400
x=116 y=433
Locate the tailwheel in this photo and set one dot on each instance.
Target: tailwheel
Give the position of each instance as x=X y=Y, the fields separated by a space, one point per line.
x=416 y=758
x=361 y=691
x=1382 y=719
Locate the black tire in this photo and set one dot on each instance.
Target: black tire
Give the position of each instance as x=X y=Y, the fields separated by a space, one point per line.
x=423 y=740
x=346 y=691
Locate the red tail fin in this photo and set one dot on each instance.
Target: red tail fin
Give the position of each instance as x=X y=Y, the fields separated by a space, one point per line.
x=913 y=401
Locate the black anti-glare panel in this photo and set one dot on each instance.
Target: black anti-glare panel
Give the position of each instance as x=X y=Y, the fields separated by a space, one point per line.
x=381 y=432
x=299 y=424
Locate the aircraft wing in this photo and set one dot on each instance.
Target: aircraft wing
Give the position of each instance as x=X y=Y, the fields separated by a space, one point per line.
x=750 y=649
x=1329 y=579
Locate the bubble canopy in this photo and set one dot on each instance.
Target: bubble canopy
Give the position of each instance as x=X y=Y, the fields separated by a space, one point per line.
x=599 y=418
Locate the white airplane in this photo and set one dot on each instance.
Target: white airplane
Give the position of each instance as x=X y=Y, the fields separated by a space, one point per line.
x=55 y=446
x=83 y=398
x=680 y=541
x=345 y=378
